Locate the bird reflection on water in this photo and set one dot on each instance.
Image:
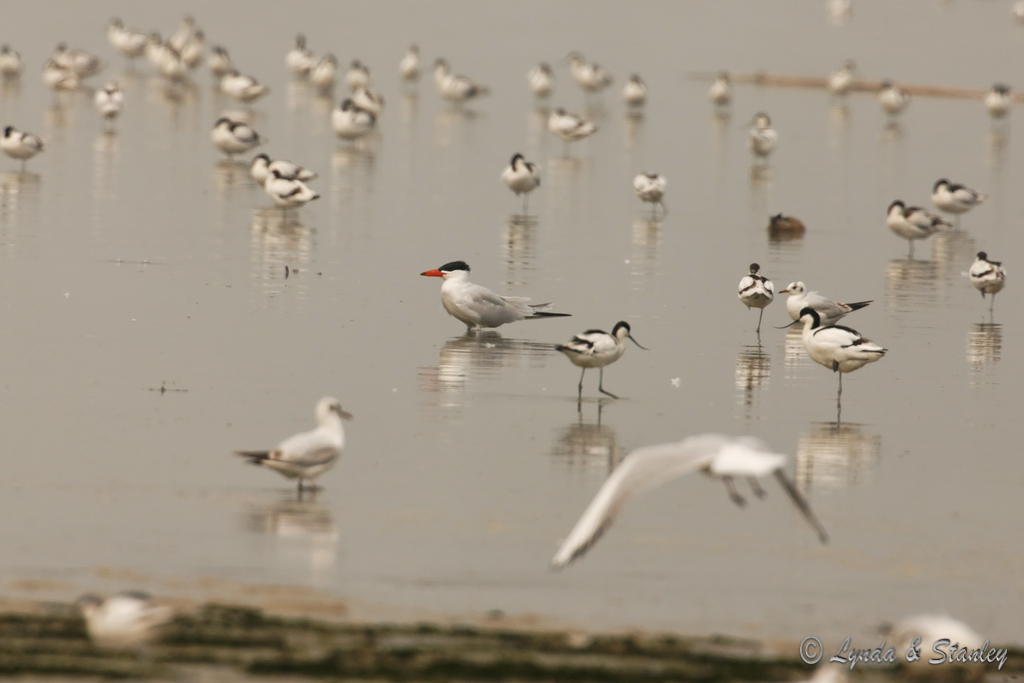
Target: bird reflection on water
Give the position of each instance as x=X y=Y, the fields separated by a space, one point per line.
x=587 y=444
x=306 y=525
x=278 y=240
x=753 y=369
x=910 y=285
x=835 y=455
x=984 y=347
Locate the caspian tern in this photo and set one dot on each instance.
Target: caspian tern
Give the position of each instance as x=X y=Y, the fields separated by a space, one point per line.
x=596 y=349
x=715 y=455
x=307 y=455
x=478 y=306
x=756 y=291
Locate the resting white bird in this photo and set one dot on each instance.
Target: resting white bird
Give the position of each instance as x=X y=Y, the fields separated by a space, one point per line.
x=357 y=76
x=234 y=137
x=241 y=87
x=10 y=62
x=409 y=66
x=955 y=199
x=596 y=349
x=288 y=192
x=570 y=127
x=108 y=101
x=59 y=78
x=720 y=92
x=763 y=138
x=20 y=145
x=219 y=61
x=522 y=177
x=351 y=122
x=300 y=59
x=368 y=100
x=998 y=101
x=893 y=98
x=477 y=306
x=261 y=167
x=129 y=43
x=455 y=88
x=541 y=80
x=634 y=93
x=719 y=456
x=840 y=349
x=988 y=277
x=307 y=455
x=124 y=620
x=590 y=76
x=322 y=75
x=840 y=81
x=756 y=291
x=913 y=223
x=650 y=188
x=828 y=310
x=79 y=62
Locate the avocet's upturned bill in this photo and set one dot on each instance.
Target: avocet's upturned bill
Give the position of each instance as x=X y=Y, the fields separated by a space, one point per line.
x=987 y=276
x=288 y=193
x=541 y=80
x=20 y=145
x=718 y=456
x=838 y=348
x=763 y=138
x=828 y=310
x=893 y=98
x=596 y=349
x=650 y=188
x=351 y=122
x=477 y=306
x=912 y=222
x=124 y=620
x=998 y=101
x=955 y=199
x=409 y=66
x=300 y=59
x=756 y=291
x=261 y=167
x=456 y=88
x=234 y=137
x=839 y=82
x=720 y=92
x=307 y=455
x=521 y=176
x=634 y=93
x=570 y=127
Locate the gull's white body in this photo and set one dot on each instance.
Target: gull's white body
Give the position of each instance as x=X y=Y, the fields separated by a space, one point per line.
x=541 y=80
x=830 y=311
x=20 y=145
x=839 y=348
x=409 y=65
x=634 y=93
x=109 y=101
x=234 y=137
x=650 y=187
x=351 y=122
x=241 y=87
x=956 y=199
x=288 y=192
x=649 y=467
x=261 y=167
x=570 y=127
x=988 y=277
x=124 y=620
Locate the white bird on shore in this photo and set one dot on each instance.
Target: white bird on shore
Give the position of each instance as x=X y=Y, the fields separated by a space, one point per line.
x=634 y=93
x=998 y=101
x=124 y=620
x=288 y=193
x=589 y=75
x=756 y=291
x=718 y=456
x=20 y=145
x=838 y=348
x=522 y=177
x=828 y=310
x=720 y=92
x=368 y=100
x=241 y=87
x=186 y=30
x=357 y=76
x=476 y=306
x=324 y=72
x=650 y=188
x=10 y=62
x=191 y=53
x=129 y=43
x=763 y=138
x=109 y=101
x=78 y=62
x=455 y=88
x=541 y=80
x=307 y=455
x=596 y=349
x=912 y=222
x=955 y=199
x=570 y=127
x=59 y=78
x=988 y=277
x=300 y=59
x=261 y=167
x=351 y=122
x=839 y=82
x=409 y=65
x=219 y=61
x=893 y=98
x=234 y=137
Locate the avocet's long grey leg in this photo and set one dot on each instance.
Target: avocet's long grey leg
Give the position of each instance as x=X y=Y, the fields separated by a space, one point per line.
x=600 y=384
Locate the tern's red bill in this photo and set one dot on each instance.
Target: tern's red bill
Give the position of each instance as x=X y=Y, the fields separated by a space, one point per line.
x=433 y=272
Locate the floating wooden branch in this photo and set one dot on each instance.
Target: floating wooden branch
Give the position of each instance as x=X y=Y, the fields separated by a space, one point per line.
x=784 y=81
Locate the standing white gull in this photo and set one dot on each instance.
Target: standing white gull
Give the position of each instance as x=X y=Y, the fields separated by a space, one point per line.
x=828 y=310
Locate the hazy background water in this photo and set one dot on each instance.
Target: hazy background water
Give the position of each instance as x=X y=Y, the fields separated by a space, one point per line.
x=138 y=258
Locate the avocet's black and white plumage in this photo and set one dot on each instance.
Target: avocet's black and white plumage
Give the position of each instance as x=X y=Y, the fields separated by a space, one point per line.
x=634 y=93
x=10 y=62
x=829 y=311
x=521 y=176
x=476 y=306
x=998 y=101
x=20 y=145
x=762 y=137
x=588 y=75
x=78 y=62
x=234 y=137
x=955 y=199
x=541 y=80
x=987 y=276
x=300 y=59
x=324 y=72
x=838 y=348
x=351 y=122
x=124 y=620
x=912 y=222
x=839 y=82
x=570 y=127
x=357 y=76
x=128 y=42
x=109 y=100
x=409 y=65
x=368 y=100
x=650 y=188
x=720 y=92
x=715 y=455
x=455 y=88
x=756 y=291
x=219 y=61
x=262 y=165
x=307 y=455
x=241 y=87
x=596 y=349
x=288 y=193
x=893 y=98
x=59 y=78
x=191 y=52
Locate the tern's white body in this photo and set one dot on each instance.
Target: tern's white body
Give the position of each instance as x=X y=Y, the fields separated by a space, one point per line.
x=893 y=99
x=650 y=187
x=570 y=127
x=409 y=65
x=125 y=620
x=351 y=122
x=234 y=137
x=109 y=101
x=998 y=102
x=323 y=74
x=521 y=176
x=988 y=277
x=647 y=468
x=720 y=92
x=955 y=199
x=838 y=348
x=455 y=88
x=300 y=59
x=829 y=311
x=241 y=87
x=590 y=76
x=20 y=145
x=261 y=168
x=763 y=138
x=634 y=93
x=541 y=80
x=477 y=306
x=288 y=192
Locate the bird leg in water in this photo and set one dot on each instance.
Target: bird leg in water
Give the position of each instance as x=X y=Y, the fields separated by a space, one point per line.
x=755 y=486
x=579 y=393
x=600 y=384
x=759 y=316
x=801 y=504
x=734 y=495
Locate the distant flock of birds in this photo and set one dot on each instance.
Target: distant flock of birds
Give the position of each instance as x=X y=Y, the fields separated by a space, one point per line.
x=306 y=456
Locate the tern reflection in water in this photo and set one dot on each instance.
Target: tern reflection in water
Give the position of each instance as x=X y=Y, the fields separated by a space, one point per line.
x=753 y=369
x=984 y=346
x=588 y=444
x=834 y=455
x=302 y=522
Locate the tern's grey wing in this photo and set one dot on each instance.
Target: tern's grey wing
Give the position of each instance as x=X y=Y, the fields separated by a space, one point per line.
x=642 y=470
x=308 y=449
